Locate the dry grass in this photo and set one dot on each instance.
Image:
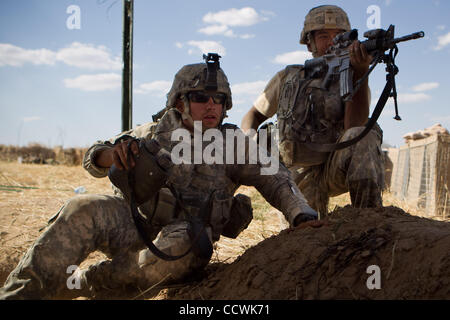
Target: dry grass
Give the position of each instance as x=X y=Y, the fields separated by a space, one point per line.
x=29 y=195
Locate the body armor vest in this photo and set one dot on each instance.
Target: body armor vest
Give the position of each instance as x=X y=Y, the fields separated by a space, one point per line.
x=307 y=113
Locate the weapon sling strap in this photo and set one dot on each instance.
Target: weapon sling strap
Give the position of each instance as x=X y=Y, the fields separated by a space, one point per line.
x=139 y=221
x=390 y=84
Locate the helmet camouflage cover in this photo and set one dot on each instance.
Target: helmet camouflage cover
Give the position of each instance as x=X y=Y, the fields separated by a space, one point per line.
x=324 y=17
x=192 y=77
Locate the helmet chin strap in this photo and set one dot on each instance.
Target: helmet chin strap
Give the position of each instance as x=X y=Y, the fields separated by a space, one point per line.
x=186 y=114
x=224 y=115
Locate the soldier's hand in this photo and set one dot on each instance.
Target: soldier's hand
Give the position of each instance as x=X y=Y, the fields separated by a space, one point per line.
x=120 y=155
x=359 y=59
x=308 y=218
x=307 y=214
x=312 y=223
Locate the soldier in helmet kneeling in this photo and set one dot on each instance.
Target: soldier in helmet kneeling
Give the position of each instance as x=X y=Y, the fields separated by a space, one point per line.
x=182 y=209
x=309 y=114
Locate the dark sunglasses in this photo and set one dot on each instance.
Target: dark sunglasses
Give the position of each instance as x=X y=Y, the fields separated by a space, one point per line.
x=203 y=97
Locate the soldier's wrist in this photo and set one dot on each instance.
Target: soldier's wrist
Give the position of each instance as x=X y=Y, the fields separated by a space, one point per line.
x=308 y=214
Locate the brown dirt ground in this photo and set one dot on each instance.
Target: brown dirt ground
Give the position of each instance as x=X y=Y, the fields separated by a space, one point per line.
x=262 y=263
x=331 y=262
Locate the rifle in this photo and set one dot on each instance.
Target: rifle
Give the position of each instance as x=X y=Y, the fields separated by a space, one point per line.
x=335 y=65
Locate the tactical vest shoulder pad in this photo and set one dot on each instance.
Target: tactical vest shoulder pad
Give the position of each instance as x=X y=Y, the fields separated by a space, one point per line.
x=294 y=68
x=292 y=71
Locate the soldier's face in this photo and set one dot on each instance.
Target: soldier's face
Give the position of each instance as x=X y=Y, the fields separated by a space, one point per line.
x=207 y=108
x=209 y=113
x=324 y=39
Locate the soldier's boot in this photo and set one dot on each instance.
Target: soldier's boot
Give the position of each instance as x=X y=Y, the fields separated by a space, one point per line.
x=174 y=242
x=98 y=281
x=365 y=193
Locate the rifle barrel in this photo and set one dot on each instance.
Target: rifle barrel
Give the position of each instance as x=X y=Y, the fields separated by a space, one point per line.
x=380 y=44
x=412 y=36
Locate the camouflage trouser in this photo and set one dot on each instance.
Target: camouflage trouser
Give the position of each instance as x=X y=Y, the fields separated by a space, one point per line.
x=97 y=222
x=358 y=169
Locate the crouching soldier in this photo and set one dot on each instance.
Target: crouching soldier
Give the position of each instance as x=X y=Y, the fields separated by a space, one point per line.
x=165 y=216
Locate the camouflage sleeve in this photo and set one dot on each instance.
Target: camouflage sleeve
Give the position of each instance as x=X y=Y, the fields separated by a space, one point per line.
x=89 y=159
x=143 y=131
x=278 y=189
x=250 y=164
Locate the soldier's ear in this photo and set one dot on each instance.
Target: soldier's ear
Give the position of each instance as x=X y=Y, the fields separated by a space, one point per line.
x=309 y=40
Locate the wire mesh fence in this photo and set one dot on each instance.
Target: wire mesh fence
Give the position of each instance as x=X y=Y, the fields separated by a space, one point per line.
x=420 y=174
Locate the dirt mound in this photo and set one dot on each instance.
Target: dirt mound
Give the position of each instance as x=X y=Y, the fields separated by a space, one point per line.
x=339 y=261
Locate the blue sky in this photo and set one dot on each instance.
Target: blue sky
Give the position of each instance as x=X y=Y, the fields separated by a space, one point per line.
x=61 y=85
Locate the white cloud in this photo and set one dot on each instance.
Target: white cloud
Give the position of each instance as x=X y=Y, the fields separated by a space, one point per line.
x=402 y=98
x=88 y=56
x=95 y=82
x=294 y=57
x=220 y=22
x=405 y=98
x=249 y=88
x=159 y=88
x=206 y=47
x=443 y=41
x=11 y=55
x=245 y=93
x=425 y=86
x=78 y=55
x=246 y=36
x=234 y=17
x=412 y=97
x=30 y=119
x=214 y=29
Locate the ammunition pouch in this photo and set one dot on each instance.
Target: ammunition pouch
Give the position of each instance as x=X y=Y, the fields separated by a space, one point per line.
x=164 y=212
x=241 y=214
x=149 y=174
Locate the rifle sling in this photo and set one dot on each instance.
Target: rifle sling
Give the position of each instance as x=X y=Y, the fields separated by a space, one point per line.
x=329 y=147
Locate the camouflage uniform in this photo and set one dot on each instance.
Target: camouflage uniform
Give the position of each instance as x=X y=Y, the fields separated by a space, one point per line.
x=98 y=222
x=318 y=115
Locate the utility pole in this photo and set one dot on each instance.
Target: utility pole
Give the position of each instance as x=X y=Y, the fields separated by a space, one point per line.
x=127 y=74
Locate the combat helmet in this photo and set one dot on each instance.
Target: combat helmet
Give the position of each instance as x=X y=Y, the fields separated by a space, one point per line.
x=324 y=17
x=206 y=76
